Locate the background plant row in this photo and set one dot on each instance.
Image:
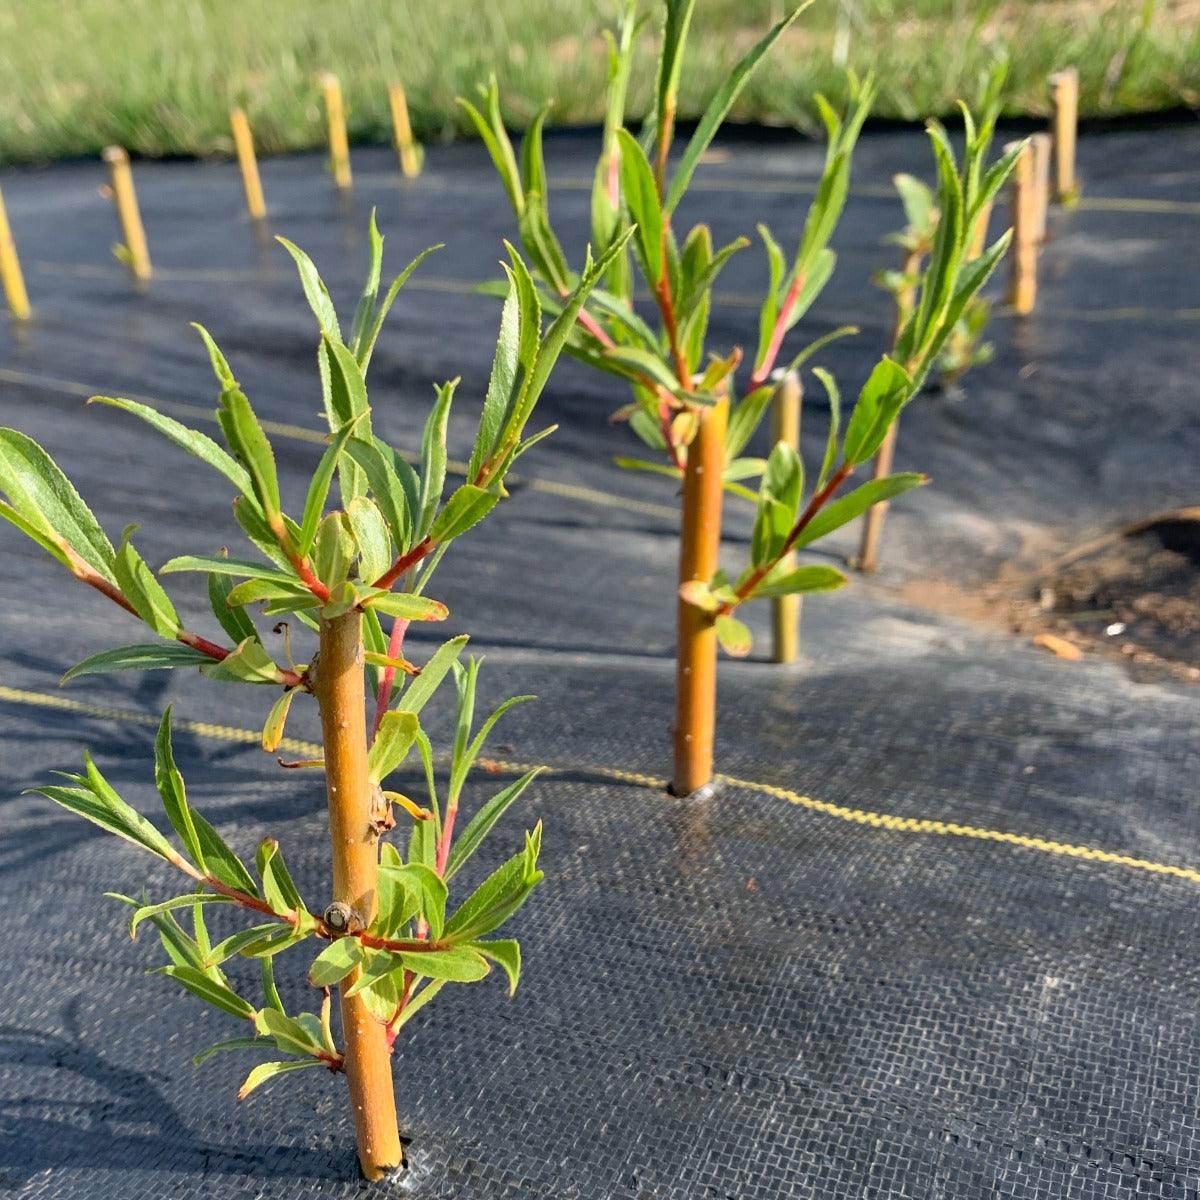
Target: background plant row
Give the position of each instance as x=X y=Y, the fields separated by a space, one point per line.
x=159 y=76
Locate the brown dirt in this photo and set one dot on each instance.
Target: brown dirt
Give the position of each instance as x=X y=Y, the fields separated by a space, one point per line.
x=1132 y=595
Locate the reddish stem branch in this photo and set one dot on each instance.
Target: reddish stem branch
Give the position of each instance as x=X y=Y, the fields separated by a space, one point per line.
x=387 y=677
x=405 y=562
x=763 y=372
x=818 y=502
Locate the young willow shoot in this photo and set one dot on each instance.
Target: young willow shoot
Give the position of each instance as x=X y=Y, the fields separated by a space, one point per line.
x=964 y=347
x=355 y=575
x=688 y=404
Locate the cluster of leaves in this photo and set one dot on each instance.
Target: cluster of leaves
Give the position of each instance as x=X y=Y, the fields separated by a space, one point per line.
x=410 y=950
x=672 y=373
x=965 y=347
x=391 y=528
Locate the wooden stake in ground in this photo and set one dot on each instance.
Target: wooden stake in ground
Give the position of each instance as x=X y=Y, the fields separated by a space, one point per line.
x=1022 y=288
x=10 y=270
x=1042 y=145
x=785 y=610
x=339 y=143
x=341 y=696
x=1065 y=88
x=872 y=528
x=135 y=253
x=699 y=551
x=409 y=151
x=244 y=143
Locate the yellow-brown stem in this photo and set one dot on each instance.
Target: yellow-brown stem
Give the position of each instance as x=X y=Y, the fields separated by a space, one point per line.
x=1043 y=151
x=10 y=270
x=340 y=692
x=410 y=159
x=872 y=528
x=785 y=610
x=339 y=143
x=1022 y=288
x=699 y=549
x=1065 y=87
x=128 y=213
x=243 y=141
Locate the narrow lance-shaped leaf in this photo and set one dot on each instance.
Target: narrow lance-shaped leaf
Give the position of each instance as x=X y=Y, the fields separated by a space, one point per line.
x=171 y=788
x=719 y=106
x=142 y=590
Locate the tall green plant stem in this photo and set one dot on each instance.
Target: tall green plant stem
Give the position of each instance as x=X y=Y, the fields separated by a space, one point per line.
x=699 y=551
x=872 y=530
x=341 y=696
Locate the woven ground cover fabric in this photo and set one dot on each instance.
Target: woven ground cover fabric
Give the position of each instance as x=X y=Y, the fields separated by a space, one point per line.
x=882 y=959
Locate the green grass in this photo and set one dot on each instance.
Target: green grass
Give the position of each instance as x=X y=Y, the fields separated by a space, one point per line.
x=159 y=76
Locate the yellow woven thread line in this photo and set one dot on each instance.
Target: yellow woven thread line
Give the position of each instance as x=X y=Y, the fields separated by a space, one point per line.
x=915 y=825
x=303 y=433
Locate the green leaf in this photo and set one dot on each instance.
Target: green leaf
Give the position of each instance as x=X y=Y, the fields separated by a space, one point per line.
x=265 y=1072
x=272 y=733
x=318 y=488
x=371 y=537
x=719 y=106
x=779 y=501
x=676 y=19
x=47 y=502
x=191 y=900
x=841 y=512
x=220 y=364
x=315 y=290
x=211 y=991
x=250 y=1043
x=333 y=550
x=290 y=1036
x=366 y=344
x=223 y=565
x=233 y=620
x=516 y=354
x=433 y=458
x=243 y=940
x=745 y=417
x=789 y=581
x=408 y=606
x=191 y=440
x=248 y=663
x=335 y=962
x=467 y=506
x=250 y=446
x=153 y=657
x=418 y=1002
x=421 y=689
x=835 y=420
x=500 y=895
x=506 y=952
x=397 y=733
x=279 y=890
x=645 y=208
x=170 y=786
x=221 y=861
x=459 y=964
x=482 y=823
x=495 y=137
x=387 y=488
x=142 y=590
x=734 y=637
x=879 y=404
x=427 y=890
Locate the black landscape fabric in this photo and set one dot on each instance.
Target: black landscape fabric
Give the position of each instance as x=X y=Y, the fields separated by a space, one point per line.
x=933 y=935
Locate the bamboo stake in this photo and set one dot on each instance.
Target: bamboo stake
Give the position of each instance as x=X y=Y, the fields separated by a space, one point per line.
x=1043 y=145
x=243 y=140
x=785 y=610
x=137 y=256
x=1065 y=87
x=10 y=270
x=1022 y=288
x=872 y=528
x=341 y=696
x=409 y=151
x=339 y=143
x=699 y=550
